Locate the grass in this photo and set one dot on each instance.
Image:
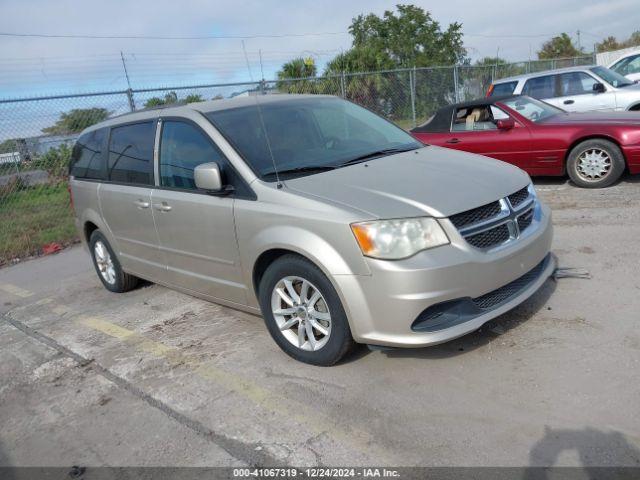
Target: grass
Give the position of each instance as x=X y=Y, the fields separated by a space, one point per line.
x=404 y=123
x=33 y=217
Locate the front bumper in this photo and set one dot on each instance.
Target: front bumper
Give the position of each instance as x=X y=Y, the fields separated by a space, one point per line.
x=385 y=307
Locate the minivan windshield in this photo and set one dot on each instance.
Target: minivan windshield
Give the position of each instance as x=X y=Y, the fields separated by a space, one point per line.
x=308 y=135
x=611 y=77
x=532 y=109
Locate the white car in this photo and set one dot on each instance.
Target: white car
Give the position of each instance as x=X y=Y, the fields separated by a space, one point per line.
x=628 y=65
x=575 y=89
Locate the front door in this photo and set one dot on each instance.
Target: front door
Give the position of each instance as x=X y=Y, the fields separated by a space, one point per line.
x=474 y=130
x=196 y=230
x=576 y=94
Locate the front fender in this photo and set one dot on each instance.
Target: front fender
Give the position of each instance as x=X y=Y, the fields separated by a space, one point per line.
x=307 y=244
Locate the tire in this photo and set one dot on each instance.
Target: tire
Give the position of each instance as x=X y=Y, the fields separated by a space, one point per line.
x=595 y=163
x=325 y=313
x=114 y=279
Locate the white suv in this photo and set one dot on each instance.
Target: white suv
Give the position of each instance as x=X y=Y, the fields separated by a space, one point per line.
x=575 y=89
x=629 y=66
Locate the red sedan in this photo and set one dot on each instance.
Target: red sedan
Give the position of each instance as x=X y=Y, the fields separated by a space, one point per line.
x=592 y=148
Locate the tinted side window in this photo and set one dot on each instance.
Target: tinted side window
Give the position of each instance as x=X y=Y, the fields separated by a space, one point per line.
x=540 y=87
x=131 y=153
x=87 y=160
x=182 y=148
x=576 y=83
x=506 y=88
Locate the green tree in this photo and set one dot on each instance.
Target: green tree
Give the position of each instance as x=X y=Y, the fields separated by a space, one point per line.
x=409 y=38
x=193 y=98
x=490 y=61
x=169 y=98
x=298 y=68
x=560 y=46
x=608 y=44
x=76 y=120
x=55 y=161
x=633 y=40
x=611 y=43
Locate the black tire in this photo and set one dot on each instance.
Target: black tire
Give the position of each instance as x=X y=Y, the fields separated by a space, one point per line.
x=123 y=282
x=616 y=168
x=340 y=340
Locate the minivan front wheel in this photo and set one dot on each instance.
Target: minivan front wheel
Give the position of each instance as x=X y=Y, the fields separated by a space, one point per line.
x=303 y=312
x=107 y=265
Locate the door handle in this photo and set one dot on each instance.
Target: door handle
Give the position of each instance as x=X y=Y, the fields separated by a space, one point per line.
x=453 y=140
x=162 y=207
x=569 y=102
x=141 y=204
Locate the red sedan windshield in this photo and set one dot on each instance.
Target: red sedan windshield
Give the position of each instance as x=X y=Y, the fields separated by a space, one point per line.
x=531 y=108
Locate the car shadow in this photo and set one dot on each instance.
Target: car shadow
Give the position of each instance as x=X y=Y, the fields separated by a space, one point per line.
x=596 y=449
x=489 y=332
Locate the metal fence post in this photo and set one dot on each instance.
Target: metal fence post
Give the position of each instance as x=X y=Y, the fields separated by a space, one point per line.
x=455 y=83
x=412 y=90
x=342 y=85
x=132 y=103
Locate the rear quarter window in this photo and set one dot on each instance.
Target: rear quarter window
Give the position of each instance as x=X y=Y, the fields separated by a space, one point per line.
x=506 y=88
x=131 y=153
x=87 y=159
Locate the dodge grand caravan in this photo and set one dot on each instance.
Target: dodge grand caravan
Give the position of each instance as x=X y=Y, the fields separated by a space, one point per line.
x=333 y=223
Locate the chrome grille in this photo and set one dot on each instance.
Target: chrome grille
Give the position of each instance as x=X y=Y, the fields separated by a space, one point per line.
x=499 y=222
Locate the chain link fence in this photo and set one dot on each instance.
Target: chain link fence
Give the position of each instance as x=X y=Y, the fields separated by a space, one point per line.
x=37 y=134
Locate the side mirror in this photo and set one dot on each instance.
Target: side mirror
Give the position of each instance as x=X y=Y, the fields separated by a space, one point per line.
x=505 y=124
x=599 y=88
x=208 y=177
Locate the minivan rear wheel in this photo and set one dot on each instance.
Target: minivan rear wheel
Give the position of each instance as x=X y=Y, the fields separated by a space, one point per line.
x=303 y=312
x=595 y=163
x=107 y=265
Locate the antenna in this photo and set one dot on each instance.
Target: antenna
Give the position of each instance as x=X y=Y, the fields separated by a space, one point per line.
x=262 y=125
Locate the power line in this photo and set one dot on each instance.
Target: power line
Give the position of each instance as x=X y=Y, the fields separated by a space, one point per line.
x=159 y=37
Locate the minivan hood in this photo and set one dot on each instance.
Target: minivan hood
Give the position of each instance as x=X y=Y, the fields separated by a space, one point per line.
x=429 y=181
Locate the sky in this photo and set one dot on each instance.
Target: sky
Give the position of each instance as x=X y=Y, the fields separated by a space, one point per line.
x=39 y=66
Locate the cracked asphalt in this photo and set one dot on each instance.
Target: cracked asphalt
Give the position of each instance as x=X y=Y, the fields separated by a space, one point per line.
x=157 y=378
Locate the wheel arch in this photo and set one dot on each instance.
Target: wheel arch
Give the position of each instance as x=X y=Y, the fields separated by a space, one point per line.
x=634 y=108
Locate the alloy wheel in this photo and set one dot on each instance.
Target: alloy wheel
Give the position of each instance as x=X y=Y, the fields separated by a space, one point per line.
x=104 y=262
x=301 y=313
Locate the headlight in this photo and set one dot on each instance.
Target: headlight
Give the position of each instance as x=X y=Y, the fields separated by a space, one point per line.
x=401 y=238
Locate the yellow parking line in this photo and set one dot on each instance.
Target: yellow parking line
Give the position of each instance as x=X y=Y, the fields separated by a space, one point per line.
x=14 y=290
x=262 y=397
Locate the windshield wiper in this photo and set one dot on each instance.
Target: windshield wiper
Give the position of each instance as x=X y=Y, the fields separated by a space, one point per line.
x=305 y=169
x=378 y=153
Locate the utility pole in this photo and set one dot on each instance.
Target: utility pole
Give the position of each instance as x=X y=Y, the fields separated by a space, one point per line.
x=261 y=73
x=579 y=46
x=132 y=104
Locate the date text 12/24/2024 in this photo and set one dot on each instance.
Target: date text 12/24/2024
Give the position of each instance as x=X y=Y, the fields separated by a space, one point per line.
x=315 y=472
